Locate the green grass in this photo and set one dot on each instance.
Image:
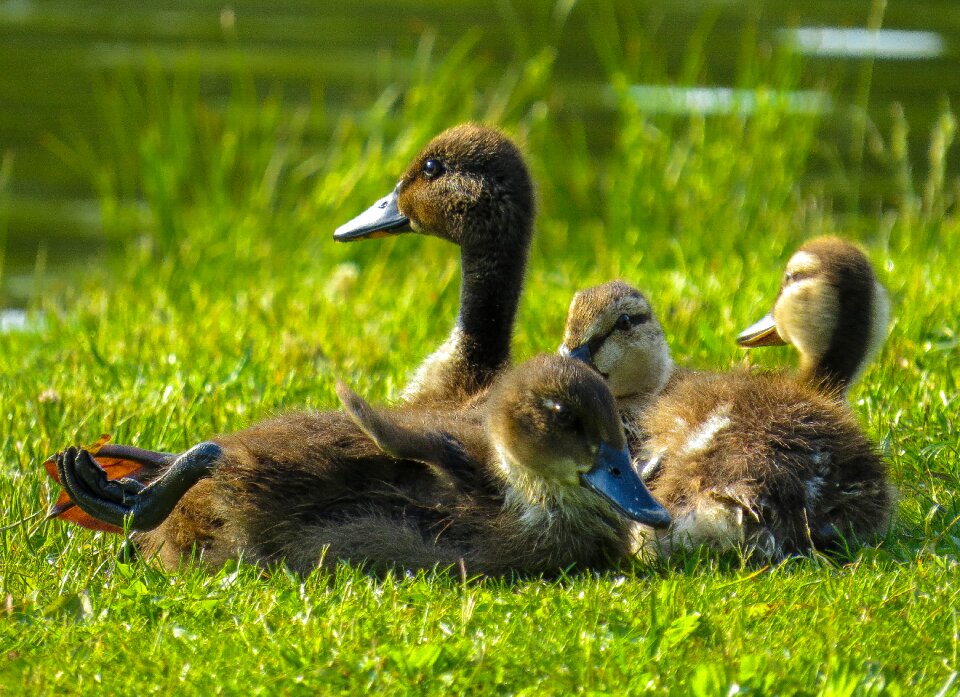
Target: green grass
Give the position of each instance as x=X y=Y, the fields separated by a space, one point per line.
x=231 y=303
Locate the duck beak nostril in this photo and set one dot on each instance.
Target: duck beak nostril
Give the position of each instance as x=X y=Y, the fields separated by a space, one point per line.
x=382 y=218
x=614 y=478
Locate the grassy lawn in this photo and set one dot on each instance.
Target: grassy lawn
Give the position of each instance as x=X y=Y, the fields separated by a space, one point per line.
x=229 y=302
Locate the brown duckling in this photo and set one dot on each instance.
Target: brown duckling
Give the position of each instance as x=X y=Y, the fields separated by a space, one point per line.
x=534 y=481
x=613 y=328
x=469 y=186
x=772 y=463
x=552 y=459
x=832 y=308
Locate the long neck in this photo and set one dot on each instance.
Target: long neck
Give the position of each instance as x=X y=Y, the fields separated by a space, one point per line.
x=489 y=296
x=479 y=345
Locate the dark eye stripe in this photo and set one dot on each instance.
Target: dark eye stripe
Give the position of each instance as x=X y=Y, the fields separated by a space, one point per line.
x=596 y=343
x=794 y=276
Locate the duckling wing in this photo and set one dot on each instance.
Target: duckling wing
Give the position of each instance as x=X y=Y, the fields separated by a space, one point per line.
x=445 y=454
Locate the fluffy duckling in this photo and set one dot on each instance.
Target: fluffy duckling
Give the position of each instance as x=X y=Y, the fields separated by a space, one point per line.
x=551 y=456
x=469 y=186
x=772 y=463
x=535 y=481
x=832 y=308
x=613 y=328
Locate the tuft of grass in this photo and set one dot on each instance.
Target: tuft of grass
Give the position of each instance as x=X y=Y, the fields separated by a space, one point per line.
x=230 y=303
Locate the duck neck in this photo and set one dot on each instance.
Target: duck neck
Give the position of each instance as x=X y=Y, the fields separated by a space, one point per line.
x=489 y=297
x=859 y=330
x=828 y=374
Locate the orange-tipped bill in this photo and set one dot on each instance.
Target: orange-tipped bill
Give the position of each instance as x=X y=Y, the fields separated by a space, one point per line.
x=762 y=333
x=381 y=219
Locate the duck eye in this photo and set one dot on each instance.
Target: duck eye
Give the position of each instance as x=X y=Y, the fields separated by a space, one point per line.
x=432 y=168
x=560 y=413
x=625 y=321
x=787 y=278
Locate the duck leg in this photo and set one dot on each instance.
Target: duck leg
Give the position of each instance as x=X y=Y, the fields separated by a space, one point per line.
x=116 y=501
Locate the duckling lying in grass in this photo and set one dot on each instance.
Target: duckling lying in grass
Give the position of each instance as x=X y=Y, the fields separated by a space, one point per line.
x=770 y=462
x=535 y=481
x=470 y=186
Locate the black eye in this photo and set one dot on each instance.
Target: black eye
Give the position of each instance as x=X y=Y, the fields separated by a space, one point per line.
x=787 y=278
x=432 y=168
x=625 y=321
x=560 y=413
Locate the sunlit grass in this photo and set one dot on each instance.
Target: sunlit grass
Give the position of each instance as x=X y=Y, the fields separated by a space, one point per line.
x=230 y=302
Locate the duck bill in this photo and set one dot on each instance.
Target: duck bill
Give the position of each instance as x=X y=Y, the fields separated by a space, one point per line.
x=381 y=219
x=581 y=353
x=614 y=478
x=761 y=333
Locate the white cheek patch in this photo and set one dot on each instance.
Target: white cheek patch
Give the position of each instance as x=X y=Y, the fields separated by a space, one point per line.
x=609 y=357
x=636 y=363
x=806 y=316
x=803 y=262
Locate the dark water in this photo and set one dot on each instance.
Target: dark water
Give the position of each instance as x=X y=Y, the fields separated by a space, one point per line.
x=50 y=50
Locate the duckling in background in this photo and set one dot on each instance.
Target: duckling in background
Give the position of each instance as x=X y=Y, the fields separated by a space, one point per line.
x=536 y=480
x=469 y=186
x=768 y=462
x=832 y=308
x=613 y=328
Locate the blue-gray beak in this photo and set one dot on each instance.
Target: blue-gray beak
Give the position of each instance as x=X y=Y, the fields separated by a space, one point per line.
x=614 y=478
x=581 y=353
x=380 y=219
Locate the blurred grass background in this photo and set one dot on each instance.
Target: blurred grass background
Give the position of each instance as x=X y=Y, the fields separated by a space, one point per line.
x=175 y=277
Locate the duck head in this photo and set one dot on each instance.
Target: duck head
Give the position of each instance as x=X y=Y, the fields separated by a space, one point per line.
x=831 y=307
x=556 y=429
x=612 y=328
x=468 y=184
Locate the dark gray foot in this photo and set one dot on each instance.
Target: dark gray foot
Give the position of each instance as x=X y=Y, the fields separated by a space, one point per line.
x=117 y=501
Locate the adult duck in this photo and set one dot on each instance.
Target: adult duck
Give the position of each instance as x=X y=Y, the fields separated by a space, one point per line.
x=470 y=186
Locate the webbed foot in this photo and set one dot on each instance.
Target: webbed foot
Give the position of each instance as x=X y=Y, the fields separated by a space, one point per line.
x=125 y=500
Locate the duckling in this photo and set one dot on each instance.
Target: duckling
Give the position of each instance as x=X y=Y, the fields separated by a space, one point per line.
x=469 y=186
x=553 y=452
x=613 y=328
x=536 y=480
x=832 y=308
x=771 y=463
